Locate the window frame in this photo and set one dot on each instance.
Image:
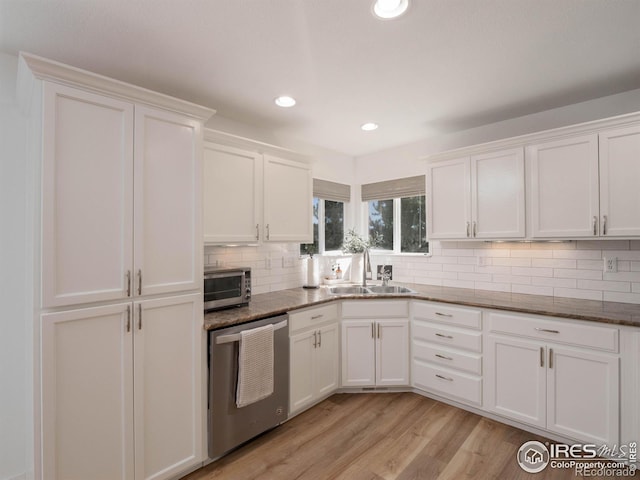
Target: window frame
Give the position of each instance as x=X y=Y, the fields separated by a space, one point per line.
x=322 y=226
x=397 y=223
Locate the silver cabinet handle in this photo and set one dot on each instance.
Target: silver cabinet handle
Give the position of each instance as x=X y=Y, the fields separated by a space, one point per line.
x=257 y=231
x=443 y=336
x=448 y=379
x=379 y=336
x=443 y=314
x=268 y=234
x=315 y=317
x=546 y=330
x=319 y=338
x=139 y=316
x=128 y=283
x=443 y=357
x=315 y=339
x=128 y=318
x=373 y=330
x=474 y=230
x=139 y=282
x=595 y=225
x=468 y=229
x=551 y=358
x=541 y=356
x=604 y=224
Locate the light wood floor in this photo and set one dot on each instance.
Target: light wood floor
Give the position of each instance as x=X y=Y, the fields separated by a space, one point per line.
x=381 y=436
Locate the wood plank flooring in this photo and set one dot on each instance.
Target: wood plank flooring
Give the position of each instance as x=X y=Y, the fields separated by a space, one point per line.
x=374 y=436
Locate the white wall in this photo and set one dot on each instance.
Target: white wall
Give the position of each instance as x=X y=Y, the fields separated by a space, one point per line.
x=571 y=269
x=15 y=343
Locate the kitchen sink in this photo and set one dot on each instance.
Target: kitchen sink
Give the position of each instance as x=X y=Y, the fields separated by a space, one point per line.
x=370 y=290
x=355 y=290
x=389 y=289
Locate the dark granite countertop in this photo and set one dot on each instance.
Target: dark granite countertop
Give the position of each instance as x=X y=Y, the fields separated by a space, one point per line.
x=275 y=303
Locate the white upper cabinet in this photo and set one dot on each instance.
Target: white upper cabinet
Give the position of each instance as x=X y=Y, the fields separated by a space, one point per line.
x=448 y=188
x=121 y=212
x=481 y=196
x=620 y=182
x=251 y=198
x=87 y=196
x=168 y=202
x=232 y=177
x=288 y=201
x=564 y=187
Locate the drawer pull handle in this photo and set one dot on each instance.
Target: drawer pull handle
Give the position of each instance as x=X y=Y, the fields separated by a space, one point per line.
x=443 y=357
x=315 y=317
x=443 y=336
x=547 y=330
x=448 y=379
x=443 y=314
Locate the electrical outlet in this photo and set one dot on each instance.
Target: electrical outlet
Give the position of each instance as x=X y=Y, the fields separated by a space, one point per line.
x=267 y=264
x=610 y=264
x=484 y=261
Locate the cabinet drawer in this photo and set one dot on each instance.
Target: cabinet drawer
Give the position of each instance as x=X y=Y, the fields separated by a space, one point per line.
x=456 y=359
x=592 y=336
x=445 y=335
x=438 y=312
x=441 y=380
x=375 y=308
x=312 y=317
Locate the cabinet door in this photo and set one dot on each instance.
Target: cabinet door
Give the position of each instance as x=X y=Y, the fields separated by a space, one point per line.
x=326 y=362
x=288 y=199
x=619 y=180
x=168 y=386
x=497 y=194
x=515 y=380
x=564 y=187
x=392 y=352
x=358 y=353
x=232 y=178
x=168 y=202
x=87 y=394
x=301 y=370
x=583 y=395
x=87 y=189
x=448 y=188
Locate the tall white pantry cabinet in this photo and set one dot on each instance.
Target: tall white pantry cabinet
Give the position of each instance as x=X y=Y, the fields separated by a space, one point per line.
x=118 y=276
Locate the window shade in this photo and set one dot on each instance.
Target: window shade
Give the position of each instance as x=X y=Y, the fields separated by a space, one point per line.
x=400 y=187
x=337 y=192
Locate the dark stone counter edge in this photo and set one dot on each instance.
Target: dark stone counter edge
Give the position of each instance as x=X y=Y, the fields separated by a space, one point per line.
x=276 y=303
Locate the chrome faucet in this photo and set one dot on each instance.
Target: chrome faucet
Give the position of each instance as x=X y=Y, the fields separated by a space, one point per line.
x=366 y=266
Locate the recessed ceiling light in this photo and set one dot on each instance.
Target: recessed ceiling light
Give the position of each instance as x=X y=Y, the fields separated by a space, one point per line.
x=367 y=127
x=285 y=101
x=390 y=8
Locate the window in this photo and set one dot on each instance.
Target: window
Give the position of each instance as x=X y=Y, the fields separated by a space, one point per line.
x=328 y=216
x=328 y=227
x=397 y=214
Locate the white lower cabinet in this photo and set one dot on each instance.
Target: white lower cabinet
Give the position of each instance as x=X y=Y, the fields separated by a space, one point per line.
x=375 y=351
x=314 y=340
x=122 y=390
x=569 y=390
x=447 y=351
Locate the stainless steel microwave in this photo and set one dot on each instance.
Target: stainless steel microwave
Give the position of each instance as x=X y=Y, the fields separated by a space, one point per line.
x=226 y=287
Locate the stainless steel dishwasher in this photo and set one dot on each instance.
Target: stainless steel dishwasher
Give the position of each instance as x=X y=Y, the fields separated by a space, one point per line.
x=230 y=426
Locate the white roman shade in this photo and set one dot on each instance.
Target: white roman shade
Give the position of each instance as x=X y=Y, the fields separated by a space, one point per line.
x=398 y=188
x=337 y=192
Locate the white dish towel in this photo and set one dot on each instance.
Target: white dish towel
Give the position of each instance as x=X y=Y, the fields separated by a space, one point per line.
x=255 y=365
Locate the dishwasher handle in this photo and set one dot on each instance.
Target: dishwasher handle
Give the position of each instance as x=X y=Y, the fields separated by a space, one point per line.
x=236 y=336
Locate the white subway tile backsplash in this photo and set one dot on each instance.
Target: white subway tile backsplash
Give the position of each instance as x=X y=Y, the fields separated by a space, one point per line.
x=604 y=285
x=569 y=269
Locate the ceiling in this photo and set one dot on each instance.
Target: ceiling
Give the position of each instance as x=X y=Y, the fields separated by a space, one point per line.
x=444 y=66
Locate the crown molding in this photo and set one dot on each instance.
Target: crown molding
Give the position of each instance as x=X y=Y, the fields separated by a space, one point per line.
x=43 y=69
x=522 y=141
